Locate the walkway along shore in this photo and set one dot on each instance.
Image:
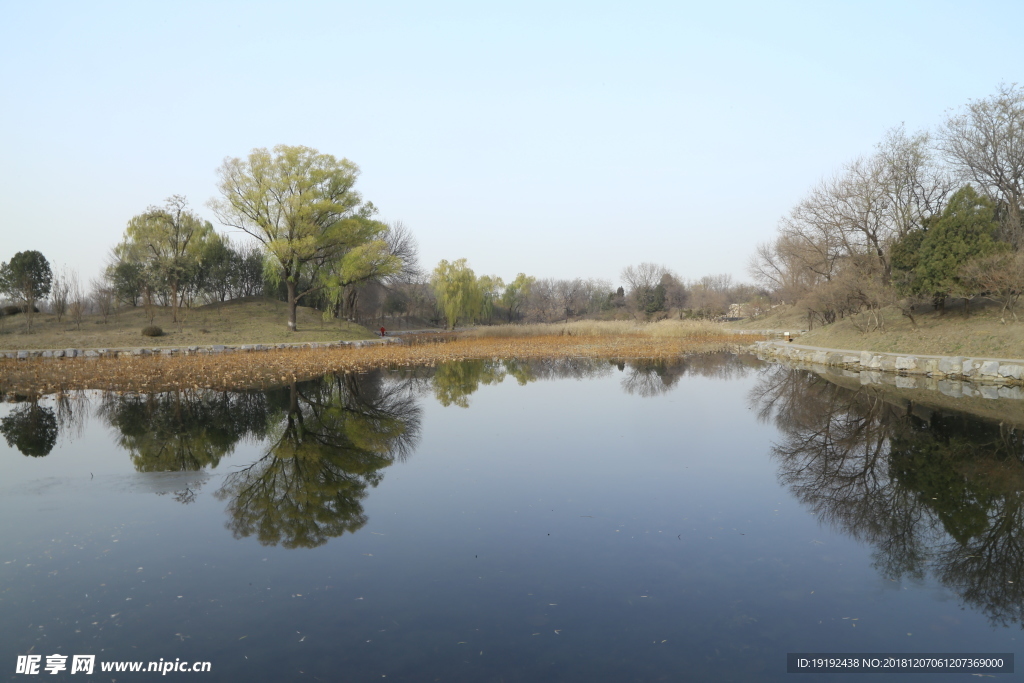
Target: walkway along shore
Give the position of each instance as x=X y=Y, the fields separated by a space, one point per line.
x=952 y=375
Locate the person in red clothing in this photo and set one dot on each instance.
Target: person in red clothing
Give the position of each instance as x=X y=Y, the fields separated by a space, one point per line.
x=383 y=331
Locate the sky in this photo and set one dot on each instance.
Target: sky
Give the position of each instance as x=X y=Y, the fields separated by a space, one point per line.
x=559 y=139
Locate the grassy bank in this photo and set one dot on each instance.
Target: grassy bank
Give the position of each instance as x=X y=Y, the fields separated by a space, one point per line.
x=273 y=368
x=690 y=329
x=982 y=333
x=242 y=321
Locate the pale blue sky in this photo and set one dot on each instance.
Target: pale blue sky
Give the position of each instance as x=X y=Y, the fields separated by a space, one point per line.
x=559 y=139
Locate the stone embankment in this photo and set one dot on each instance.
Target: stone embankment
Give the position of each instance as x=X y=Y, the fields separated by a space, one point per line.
x=187 y=350
x=952 y=375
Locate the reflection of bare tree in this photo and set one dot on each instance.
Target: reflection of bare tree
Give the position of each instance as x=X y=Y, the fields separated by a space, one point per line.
x=328 y=443
x=73 y=408
x=654 y=377
x=937 y=496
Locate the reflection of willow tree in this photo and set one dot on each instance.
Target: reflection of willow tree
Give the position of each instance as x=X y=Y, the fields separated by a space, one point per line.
x=455 y=381
x=654 y=377
x=933 y=493
x=185 y=430
x=328 y=442
x=31 y=428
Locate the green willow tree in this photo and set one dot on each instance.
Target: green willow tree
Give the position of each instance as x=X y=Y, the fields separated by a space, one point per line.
x=302 y=207
x=458 y=292
x=168 y=243
x=516 y=294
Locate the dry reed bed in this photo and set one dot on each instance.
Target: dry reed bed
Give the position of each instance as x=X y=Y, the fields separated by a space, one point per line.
x=273 y=368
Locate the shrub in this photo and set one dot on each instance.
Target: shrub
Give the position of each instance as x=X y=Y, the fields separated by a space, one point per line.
x=152 y=331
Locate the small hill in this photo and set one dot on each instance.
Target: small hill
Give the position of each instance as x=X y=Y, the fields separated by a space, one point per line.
x=252 y=320
x=982 y=332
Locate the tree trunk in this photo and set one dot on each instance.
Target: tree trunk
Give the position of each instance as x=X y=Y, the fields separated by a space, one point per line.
x=292 y=306
x=174 y=301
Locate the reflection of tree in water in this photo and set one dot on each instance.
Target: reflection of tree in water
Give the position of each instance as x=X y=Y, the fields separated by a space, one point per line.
x=935 y=494
x=455 y=381
x=31 y=428
x=185 y=430
x=654 y=377
x=328 y=442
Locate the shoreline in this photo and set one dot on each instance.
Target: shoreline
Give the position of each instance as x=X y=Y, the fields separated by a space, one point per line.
x=954 y=376
x=269 y=365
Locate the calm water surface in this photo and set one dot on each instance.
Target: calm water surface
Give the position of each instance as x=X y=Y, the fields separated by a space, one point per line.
x=488 y=521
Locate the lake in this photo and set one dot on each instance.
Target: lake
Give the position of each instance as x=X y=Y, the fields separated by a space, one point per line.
x=570 y=520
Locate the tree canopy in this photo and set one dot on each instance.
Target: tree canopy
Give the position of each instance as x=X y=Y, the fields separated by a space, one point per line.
x=26 y=278
x=933 y=257
x=302 y=207
x=168 y=243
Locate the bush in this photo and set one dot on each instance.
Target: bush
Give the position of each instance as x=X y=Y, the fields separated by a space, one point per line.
x=152 y=331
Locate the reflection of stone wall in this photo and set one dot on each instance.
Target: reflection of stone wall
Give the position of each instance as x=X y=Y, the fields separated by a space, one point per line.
x=952 y=375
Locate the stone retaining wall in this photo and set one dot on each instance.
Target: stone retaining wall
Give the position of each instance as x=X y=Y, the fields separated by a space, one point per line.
x=952 y=375
x=187 y=350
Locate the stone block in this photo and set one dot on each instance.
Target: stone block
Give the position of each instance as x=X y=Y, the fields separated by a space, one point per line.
x=22 y=355
x=888 y=364
x=865 y=358
x=847 y=359
x=70 y=353
x=217 y=348
x=47 y=354
x=92 y=353
x=819 y=357
x=968 y=367
x=951 y=365
x=989 y=368
x=906 y=363
x=1011 y=370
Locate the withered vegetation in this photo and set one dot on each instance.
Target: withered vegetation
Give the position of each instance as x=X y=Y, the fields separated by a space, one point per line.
x=266 y=369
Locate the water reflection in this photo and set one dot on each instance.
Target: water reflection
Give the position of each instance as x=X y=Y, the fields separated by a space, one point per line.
x=325 y=448
x=30 y=428
x=186 y=430
x=654 y=377
x=934 y=493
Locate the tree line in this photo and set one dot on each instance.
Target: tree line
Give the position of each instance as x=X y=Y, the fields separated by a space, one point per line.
x=924 y=219
x=309 y=238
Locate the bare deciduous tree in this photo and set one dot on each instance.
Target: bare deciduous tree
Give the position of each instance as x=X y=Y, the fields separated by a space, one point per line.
x=59 y=292
x=985 y=144
x=77 y=300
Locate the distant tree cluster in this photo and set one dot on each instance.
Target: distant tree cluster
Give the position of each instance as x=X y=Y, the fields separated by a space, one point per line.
x=651 y=291
x=310 y=239
x=926 y=217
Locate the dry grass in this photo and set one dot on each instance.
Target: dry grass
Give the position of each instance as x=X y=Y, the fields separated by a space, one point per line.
x=604 y=328
x=981 y=334
x=243 y=321
x=273 y=368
